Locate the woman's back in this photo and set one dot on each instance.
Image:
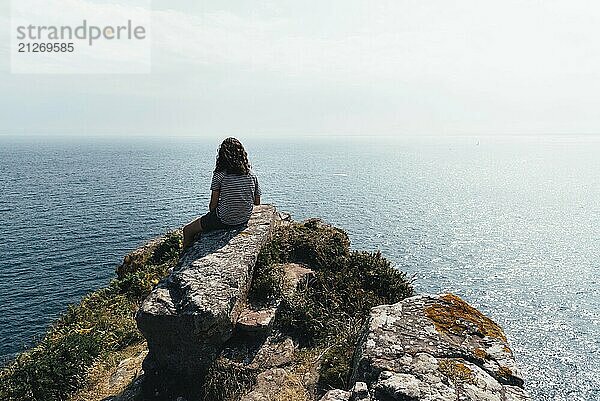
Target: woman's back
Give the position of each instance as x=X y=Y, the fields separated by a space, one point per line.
x=237 y=193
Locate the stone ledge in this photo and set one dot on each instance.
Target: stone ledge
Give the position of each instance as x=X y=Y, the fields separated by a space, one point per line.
x=257 y=322
x=190 y=315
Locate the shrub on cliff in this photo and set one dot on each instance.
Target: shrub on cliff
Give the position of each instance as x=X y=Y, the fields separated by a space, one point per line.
x=102 y=323
x=330 y=312
x=312 y=243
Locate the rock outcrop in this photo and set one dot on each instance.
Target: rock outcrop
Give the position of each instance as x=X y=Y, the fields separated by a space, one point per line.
x=436 y=348
x=207 y=341
x=360 y=392
x=190 y=315
x=423 y=348
x=336 y=395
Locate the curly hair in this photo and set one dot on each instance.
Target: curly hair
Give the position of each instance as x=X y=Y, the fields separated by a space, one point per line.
x=232 y=158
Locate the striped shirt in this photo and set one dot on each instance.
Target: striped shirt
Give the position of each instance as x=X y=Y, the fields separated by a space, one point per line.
x=236 y=197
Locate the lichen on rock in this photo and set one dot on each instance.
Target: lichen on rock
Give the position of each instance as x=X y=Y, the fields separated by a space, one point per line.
x=436 y=347
x=453 y=316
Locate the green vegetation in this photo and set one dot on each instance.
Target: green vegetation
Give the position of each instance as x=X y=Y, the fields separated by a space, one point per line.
x=101 y=324
x=330 y=312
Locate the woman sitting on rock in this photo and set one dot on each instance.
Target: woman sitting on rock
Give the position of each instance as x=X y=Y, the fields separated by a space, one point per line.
x=235 y=191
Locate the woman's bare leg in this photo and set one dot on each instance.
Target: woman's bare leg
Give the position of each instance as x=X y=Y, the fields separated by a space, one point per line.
x=190 y=231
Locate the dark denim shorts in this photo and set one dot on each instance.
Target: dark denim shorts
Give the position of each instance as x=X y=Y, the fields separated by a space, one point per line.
x=210 y=221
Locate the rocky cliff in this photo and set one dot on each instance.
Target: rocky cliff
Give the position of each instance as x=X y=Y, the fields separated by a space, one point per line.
x=421 y=348
x=274 y=311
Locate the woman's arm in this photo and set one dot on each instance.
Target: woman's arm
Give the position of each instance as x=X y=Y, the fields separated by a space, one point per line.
x=214 y=200
x=257 y=200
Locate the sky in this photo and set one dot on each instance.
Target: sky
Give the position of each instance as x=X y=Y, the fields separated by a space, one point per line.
x=335 y=67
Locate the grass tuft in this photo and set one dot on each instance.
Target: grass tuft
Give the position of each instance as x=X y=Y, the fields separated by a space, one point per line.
x=227 y=380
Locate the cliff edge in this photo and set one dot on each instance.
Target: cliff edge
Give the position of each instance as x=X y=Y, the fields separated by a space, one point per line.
x=211 y=327
x=274 y=311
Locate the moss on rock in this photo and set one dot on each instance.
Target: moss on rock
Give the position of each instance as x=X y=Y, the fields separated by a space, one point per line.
x=455 y=316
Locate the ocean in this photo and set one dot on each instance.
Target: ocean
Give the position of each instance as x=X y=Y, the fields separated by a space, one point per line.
x=511 y=224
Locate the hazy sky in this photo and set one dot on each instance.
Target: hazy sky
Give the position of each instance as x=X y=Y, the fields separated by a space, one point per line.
x=341 y=67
